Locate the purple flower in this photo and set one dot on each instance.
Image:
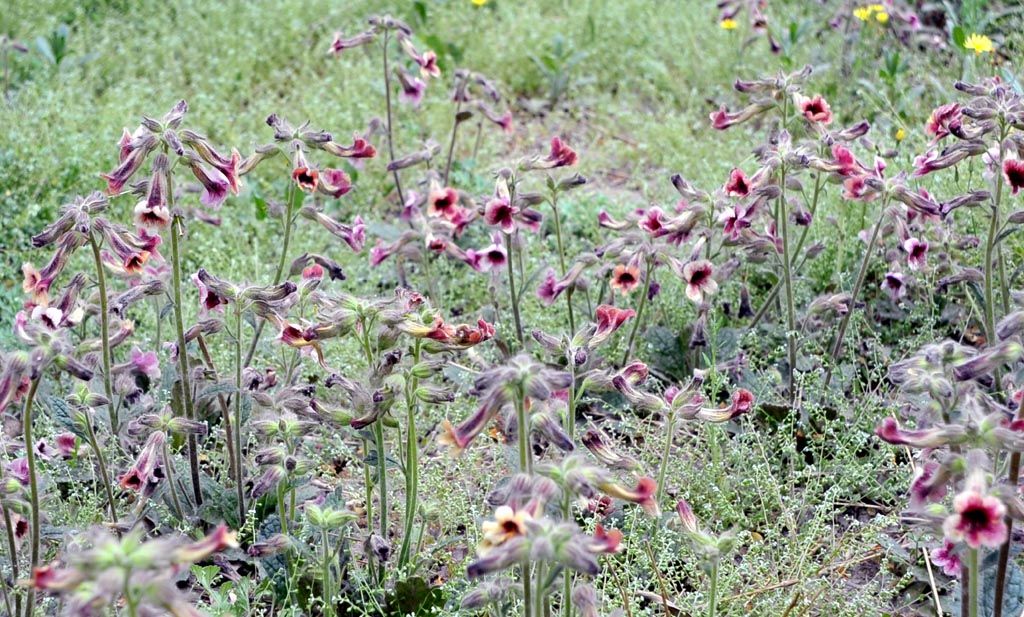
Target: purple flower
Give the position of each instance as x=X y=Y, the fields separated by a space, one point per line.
x=501 y=213
x=145 y=363
x=18 y=468
x=215 y=184
x=489 y=258
x=1013 y=173
x=334 y=182
x=412 y=89
x=893 y=285
x=699 y=281
x=917 y=252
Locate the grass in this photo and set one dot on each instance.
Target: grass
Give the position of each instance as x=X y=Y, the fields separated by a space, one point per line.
x=811 y=498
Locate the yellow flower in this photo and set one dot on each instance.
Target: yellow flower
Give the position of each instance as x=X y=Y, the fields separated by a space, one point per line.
x=882 y=17
x=728 y=24
x=479 y=2
x=979 y=43
x=900 y=134
x=877 y=7
x=863 y=13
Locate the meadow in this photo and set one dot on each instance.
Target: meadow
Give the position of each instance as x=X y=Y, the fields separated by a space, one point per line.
x=545 y=307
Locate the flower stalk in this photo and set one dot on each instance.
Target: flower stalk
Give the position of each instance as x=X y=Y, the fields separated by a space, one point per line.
x=104 y=334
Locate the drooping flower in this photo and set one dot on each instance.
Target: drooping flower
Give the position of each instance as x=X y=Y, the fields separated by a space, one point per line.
x=625 y=278
x=499 y=212
x=413 y=89
x=561 y=155
x=946 y=558
x=977 y=519
x=304 y=176
x=942 y=119
x=917 y=252
x=699 y=281
x=738 y=184
x=334 y=182
x=894 y=286
x=643 y=494
x=609 y=319
x=428 y=64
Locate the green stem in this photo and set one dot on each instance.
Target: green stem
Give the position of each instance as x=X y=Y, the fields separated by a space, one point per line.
x=974 y=600
x=561 y=260
x=525 y=451
x=327 y=583
x=782 y=220
x=283 y=515
x=648 y=266
x=13 y=553
x=104 y=333
x=239 y=475
x=411 y=461
x=837 y=344
x=294 y=199
x=665 y=455
x=33 y=488
x=512 y=290
x=172 y=487
x=451 y=144
x=94 y=444
x=378 y=436
x=713 y=601
x=391 y=138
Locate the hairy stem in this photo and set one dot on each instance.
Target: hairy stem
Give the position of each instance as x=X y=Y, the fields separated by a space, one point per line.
x=171 y=485
x=391 y=130
x=561 y=261
x=782 y=221
x=100 y=461
x=411 y=461
x=451 y=144
x=294 y=198
x=974 y=600
x=33 y=489
x=101 y=281
x=512 y=290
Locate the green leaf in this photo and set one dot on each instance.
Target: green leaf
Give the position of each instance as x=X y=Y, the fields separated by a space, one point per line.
x=64 y=415
x=261 y=207
x=959 y=38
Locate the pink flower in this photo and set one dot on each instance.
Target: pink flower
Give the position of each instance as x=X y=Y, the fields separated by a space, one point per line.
x=304 y=176
x=428 y=64
x=816 y=110
x=947 y=559
x=609 y=319
x=643 y=494
x=893 y=285
x=697 y=275
x=413 y=89
x=977 y=519
x=500 y=212
x=561 y=156
x=1013 y=173
x=917 y=252
x=442 y=202
x=653 y=222
x=489 y=258
x=147 y=363
x=334 y=182
x=943 y=119
x=738 y=184
x=215 y=184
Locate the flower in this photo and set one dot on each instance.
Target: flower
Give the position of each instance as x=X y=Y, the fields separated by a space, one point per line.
x=738 y=184
x=917 y=252
x=507 y=524
x=816 y=109
x=943 y=119
x=882 y=17
x=479 y=2
x=428 y=64
x=334 y=182
x=947 y=559
x=305 y=177
x=900 y=134
x=893 y=285
x=442 y=202
x=979 y=43
x=609 y=319
x=500 y=212
x=1013 y=173
x=977 y=519
x=642 y=495
x=697 y=275
x=625 y=278
x=728 y=24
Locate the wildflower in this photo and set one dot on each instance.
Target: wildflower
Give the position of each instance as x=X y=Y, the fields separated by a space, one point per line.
x=217 y=540
x=863 y=13
x=728 y=24
x=500 y=212
x=413 y=89
x=882 y=17
x=935 y=437
x=816 y=110
x=609 y=319
x=598 y=445
x=979 y=43
x=893 y=285
x=561 y=156
x=625 y=278
x=697 y=275
x=215 y=183
x=930 y=484
x=942 y=119
x=977 y=520
x=479 y=2
x=738 y=184
x=605 y=541
x=492 y=257
x=1013 y=173
x=507 y=524
x=900 y=134
x=917 y=252
x=304 y=176
x=947 y=559
x=334 y=182
x=442 y=202
x=643 y=494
